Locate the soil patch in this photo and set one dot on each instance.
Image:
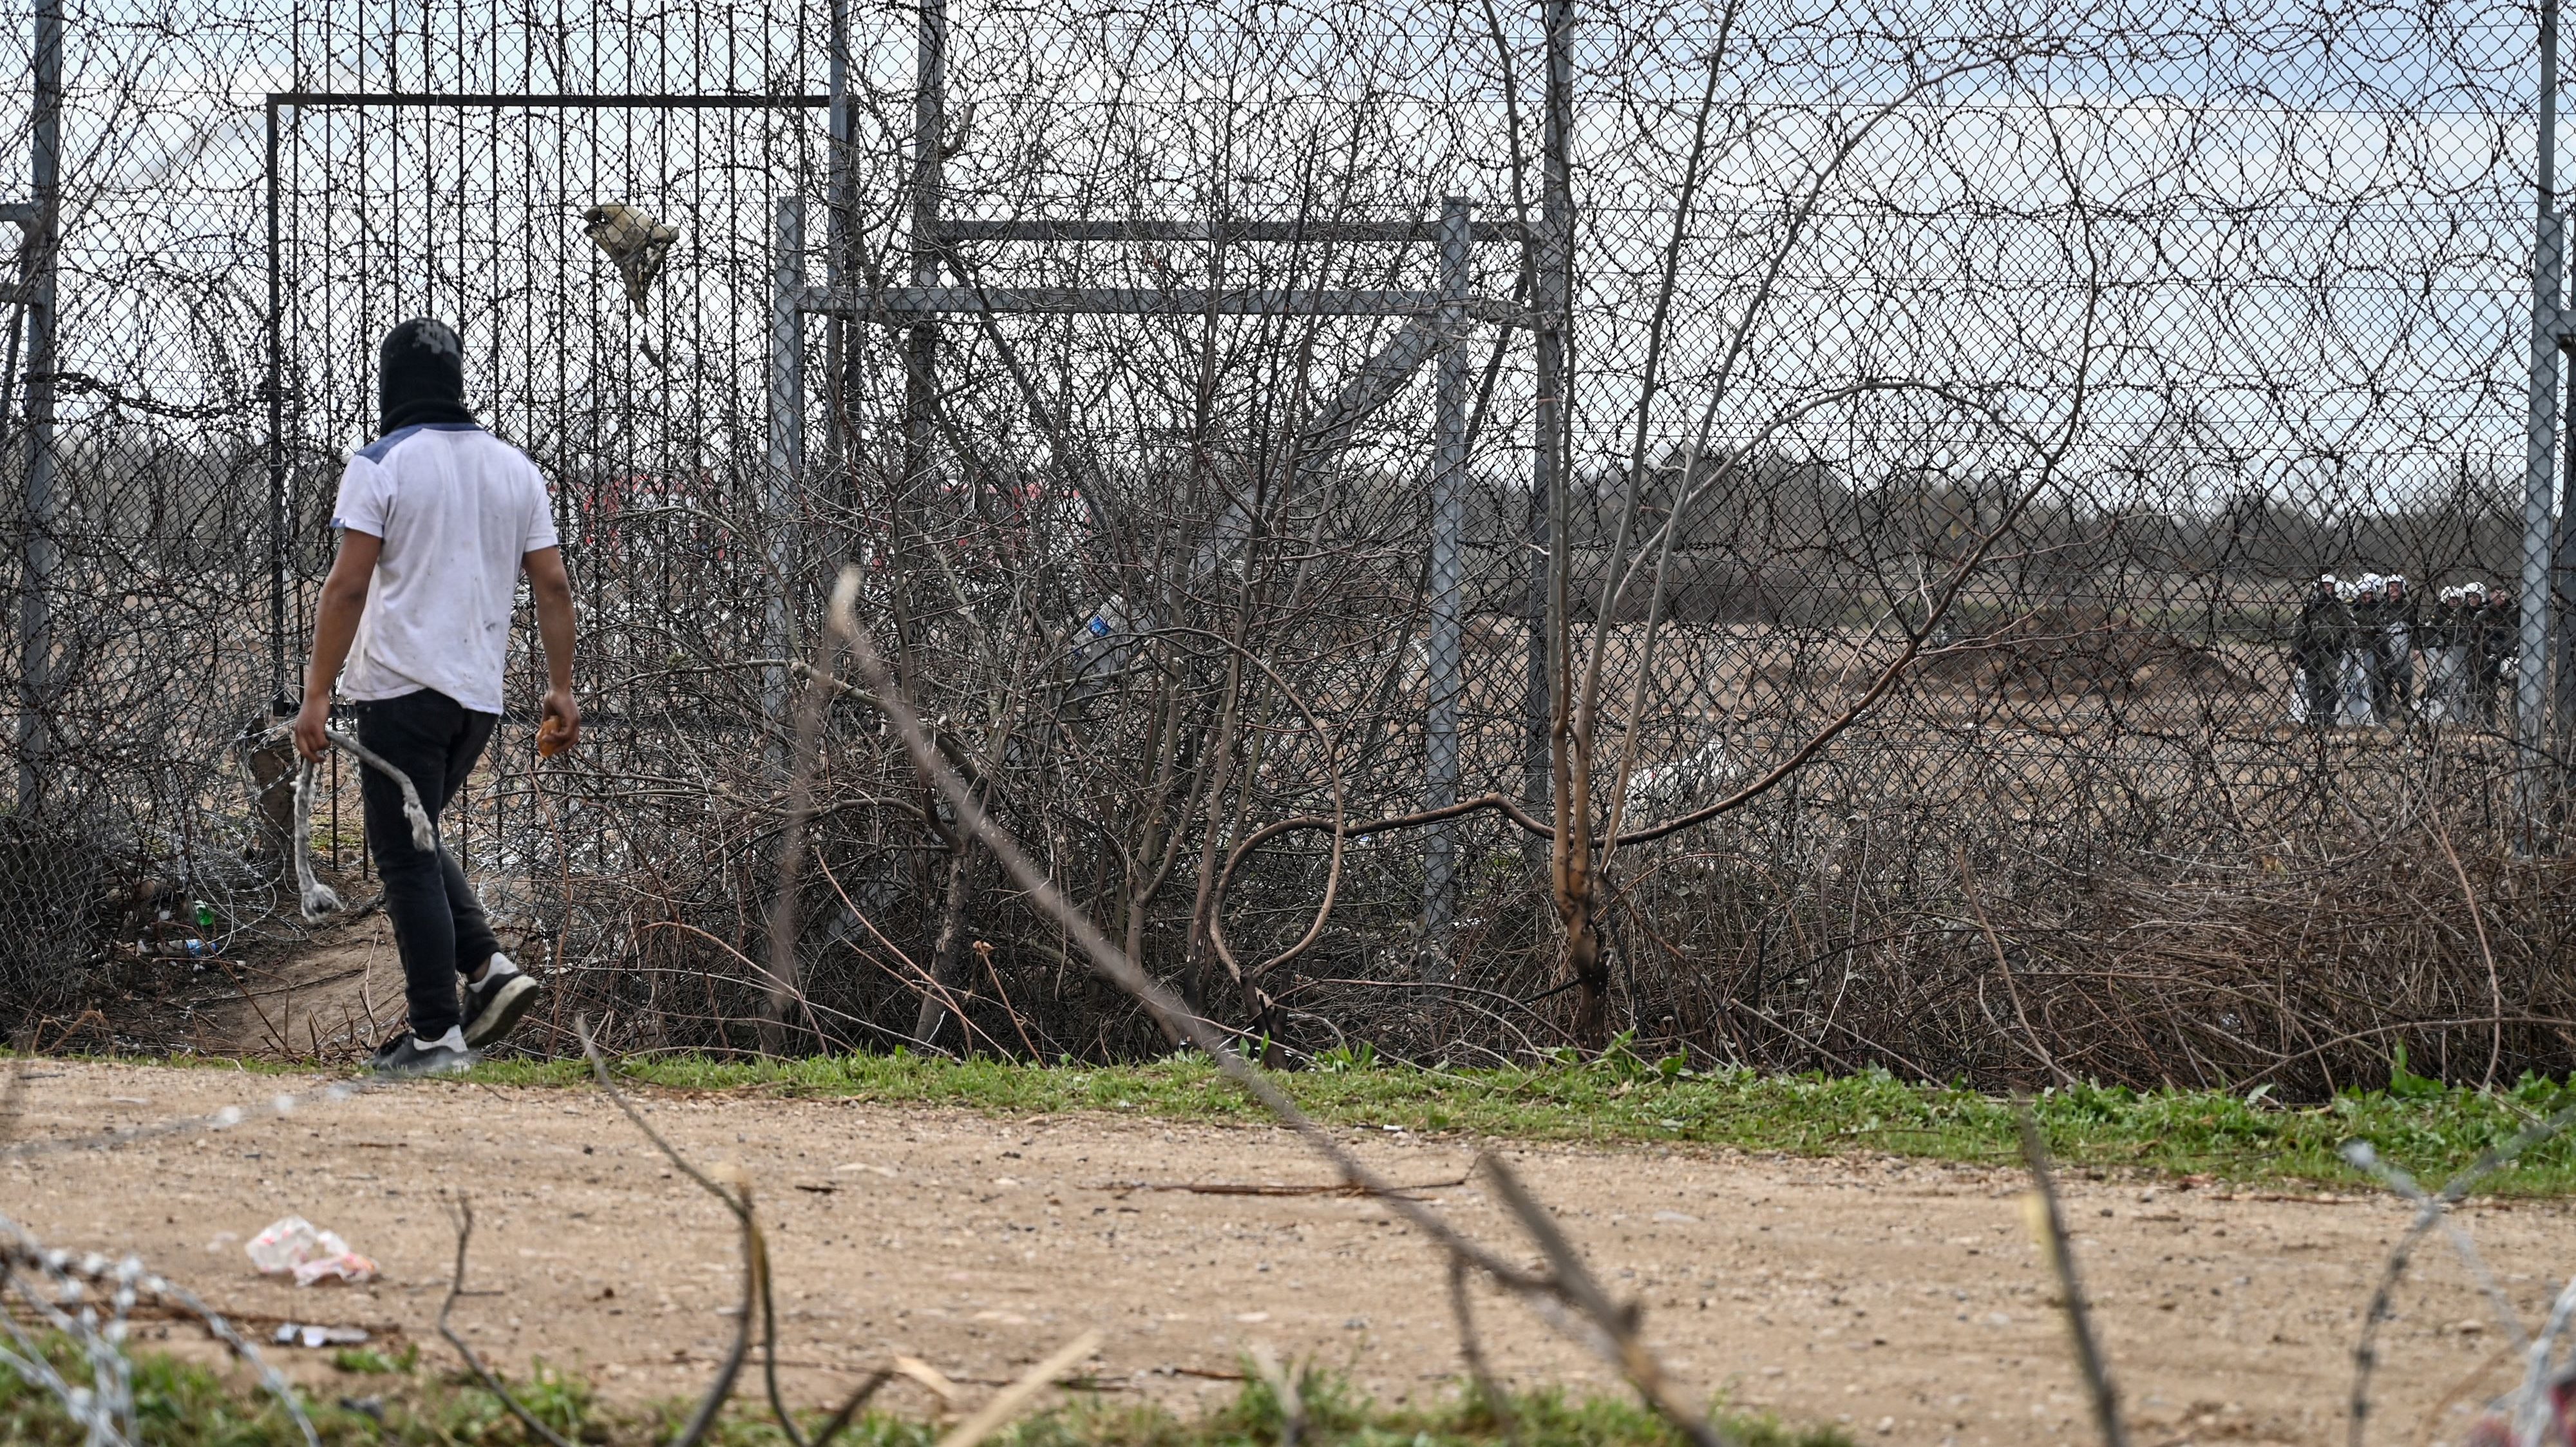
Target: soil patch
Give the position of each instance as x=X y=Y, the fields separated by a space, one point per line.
x=1894 y=1295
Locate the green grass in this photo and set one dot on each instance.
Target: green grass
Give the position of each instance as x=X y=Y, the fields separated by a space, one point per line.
x=182 y=1404
x=2429 y=1129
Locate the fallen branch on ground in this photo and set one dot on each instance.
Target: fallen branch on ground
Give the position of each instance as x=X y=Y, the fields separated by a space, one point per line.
x=1259 y=1188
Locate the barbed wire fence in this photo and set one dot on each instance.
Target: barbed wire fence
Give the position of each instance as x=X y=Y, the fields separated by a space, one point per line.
x=1784 y=530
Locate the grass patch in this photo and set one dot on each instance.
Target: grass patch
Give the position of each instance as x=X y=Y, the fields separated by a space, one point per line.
x=2430 y=1129
x=186 y=1404
x=183 y=1404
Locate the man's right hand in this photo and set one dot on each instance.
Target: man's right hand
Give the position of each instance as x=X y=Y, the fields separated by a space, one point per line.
x=560 y=729
x=551 y=591
x=310 y=722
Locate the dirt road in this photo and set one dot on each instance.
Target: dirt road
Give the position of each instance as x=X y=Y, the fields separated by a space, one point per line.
x=1902 y=1298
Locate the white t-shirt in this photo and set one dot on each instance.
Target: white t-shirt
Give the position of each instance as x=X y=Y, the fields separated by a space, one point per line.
x=457 y=508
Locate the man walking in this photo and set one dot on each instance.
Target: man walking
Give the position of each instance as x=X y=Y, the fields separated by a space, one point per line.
x=437 y=519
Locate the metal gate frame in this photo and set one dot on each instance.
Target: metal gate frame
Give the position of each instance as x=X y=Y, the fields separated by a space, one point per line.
x=302 y=100
x=1438 y=325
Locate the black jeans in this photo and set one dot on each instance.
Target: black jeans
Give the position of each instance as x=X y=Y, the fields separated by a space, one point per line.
x=439 y=929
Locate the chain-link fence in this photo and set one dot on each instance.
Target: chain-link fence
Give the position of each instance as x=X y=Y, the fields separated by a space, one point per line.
x=1853 y=480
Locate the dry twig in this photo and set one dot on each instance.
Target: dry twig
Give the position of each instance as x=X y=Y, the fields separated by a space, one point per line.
x=1613 y=1330
x=1471 y=1346
x=1006 y=1403
x=464 y=1218
x=755 y=1256
x=1283 y=1389
x=2050 y=1224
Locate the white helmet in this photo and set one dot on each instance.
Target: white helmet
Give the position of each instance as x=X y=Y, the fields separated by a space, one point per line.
x=2347 y=589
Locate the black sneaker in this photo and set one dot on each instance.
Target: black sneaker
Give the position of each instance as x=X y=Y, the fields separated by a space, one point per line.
x=407 y=1055
x=494 y=1003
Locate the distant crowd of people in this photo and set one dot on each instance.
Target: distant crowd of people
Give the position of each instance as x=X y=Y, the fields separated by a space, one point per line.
x=2358 y=640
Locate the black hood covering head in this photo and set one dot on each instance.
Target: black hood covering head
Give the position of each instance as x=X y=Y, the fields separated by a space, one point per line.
x=420 y=376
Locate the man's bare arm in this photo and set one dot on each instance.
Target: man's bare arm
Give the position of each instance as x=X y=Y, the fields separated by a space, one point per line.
x=335 y=627
x=551 y=589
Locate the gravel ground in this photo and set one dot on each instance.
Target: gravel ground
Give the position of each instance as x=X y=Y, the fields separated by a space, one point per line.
x=1901 y=1298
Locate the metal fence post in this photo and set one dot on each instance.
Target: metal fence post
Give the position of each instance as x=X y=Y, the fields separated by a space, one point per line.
x=921 y=341
x=836 y=234
x=1441 y=663
x=277 y=682
x=1549 y=518
x=2562 y=586
x=42 y=554
x=2540 y=432
x=786 y=460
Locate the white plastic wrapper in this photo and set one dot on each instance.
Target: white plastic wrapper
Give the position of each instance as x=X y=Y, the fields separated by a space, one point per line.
x=291 y=1246
x=295 y=1333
